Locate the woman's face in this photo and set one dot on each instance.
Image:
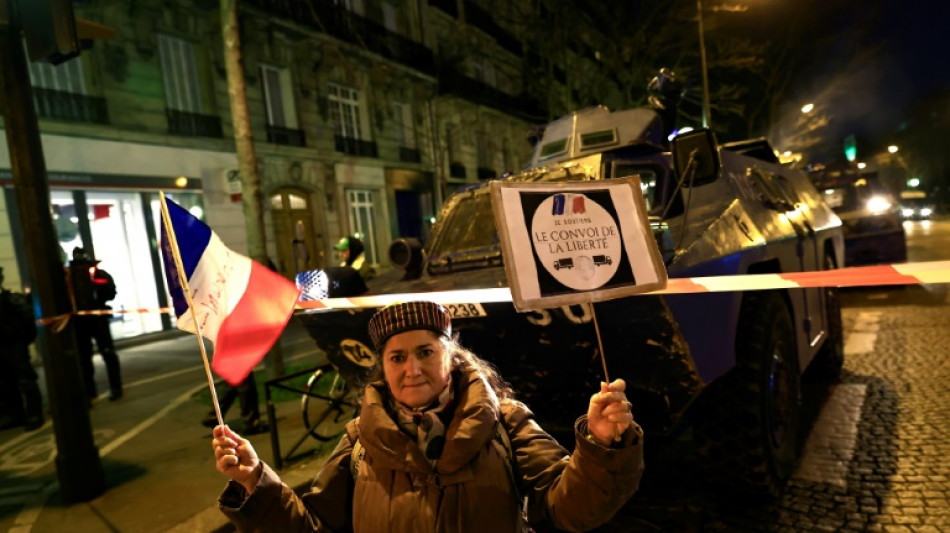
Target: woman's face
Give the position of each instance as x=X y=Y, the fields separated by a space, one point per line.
x=416 y=367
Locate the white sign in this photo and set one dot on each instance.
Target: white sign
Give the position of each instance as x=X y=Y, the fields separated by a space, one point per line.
x=589 y=241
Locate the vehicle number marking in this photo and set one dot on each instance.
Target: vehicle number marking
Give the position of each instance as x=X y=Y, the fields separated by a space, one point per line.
x=466 y=310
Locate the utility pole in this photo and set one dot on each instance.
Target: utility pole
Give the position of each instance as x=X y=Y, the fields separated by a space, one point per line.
x=78 y=465
x=702 y=60
x=251 y=194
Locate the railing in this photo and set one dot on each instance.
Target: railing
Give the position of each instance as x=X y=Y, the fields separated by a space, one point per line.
x=59 y=105
x=324 y=17
x=285 y=136
x=193 y=124
x=457 y=170
x=409 y=155
x=453 y=82
x=485 y=173
x=355 y=147
x=481 y=19
x=450 y=7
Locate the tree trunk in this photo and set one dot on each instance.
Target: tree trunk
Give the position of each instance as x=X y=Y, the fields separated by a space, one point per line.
x=247 y=158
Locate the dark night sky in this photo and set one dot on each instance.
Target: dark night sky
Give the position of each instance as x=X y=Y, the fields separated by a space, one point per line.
x=890 y=53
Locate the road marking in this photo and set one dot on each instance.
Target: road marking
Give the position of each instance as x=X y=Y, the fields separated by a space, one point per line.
x=863 y=335
x=830 y=445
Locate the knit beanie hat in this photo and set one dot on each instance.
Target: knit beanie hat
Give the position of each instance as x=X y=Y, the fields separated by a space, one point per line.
x=402 y=317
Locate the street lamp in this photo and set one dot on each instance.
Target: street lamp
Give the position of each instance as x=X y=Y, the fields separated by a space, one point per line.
x=892 y=148
x=808 y=108
x=702 y=63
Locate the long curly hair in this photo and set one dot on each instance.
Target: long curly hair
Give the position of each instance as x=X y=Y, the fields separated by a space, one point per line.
x=461 y=358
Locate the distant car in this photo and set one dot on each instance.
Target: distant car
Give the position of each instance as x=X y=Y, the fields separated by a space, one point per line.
x=915 y=205
x=869 y=213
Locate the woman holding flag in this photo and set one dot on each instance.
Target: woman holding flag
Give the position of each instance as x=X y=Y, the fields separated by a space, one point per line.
x=442 y=445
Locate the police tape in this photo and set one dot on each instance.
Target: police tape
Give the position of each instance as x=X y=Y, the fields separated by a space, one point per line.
x=866 y=276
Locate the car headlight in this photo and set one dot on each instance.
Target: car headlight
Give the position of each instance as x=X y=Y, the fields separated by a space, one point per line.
x=926 y=211
x=877 y=205
x=907 y=212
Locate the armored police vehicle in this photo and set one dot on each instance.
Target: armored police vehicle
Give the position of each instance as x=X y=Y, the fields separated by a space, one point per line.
x=726 y=365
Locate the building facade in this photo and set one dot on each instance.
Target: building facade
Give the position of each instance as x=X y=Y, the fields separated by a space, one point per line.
x=366 y=115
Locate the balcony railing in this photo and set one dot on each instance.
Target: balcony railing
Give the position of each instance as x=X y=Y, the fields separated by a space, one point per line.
x=453 y=82
x=343 y=24
x=409 y=155
x=193 y=124
x=450 y=7
x=457 y=170
x=481 y=19
x=285 y=136
x=355 y=147
x=59 y=105
x=485 y=173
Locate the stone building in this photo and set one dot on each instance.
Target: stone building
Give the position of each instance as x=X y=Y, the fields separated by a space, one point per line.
x=366 y=115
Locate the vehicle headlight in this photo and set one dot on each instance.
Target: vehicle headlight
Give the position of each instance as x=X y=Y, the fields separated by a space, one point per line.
x=878 y=204
x=907 y=212
x=926 y=211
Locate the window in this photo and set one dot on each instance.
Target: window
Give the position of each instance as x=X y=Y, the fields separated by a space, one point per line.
x=363 y=219
x=389 y=17
x=278 y=97
x=180 y=74
x=486 y=156
x=66 y=77
x=484 y=71
x=402 y=116
x=345 y=111
x=355 y=6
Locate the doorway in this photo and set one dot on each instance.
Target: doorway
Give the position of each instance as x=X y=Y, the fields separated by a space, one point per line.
x=299 y=243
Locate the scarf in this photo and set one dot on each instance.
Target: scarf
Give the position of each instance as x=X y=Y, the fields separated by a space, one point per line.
x=427 y=424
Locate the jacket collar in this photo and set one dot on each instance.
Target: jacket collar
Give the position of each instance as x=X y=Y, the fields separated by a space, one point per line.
x=472 y=426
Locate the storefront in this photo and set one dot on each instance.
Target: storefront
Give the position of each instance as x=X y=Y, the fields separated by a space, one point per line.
x=117 y=218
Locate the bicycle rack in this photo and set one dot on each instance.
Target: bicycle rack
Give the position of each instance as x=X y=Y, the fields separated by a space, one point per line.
x=277 y=383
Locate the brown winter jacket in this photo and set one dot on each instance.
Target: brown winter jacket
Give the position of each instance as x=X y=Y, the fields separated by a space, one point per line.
x=397 y=490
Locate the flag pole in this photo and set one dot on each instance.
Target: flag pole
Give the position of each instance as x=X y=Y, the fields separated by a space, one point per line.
x=603 y=359
x=183 y=280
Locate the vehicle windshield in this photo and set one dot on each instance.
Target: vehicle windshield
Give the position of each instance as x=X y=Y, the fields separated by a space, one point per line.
x=854 y=196
x=471 y=226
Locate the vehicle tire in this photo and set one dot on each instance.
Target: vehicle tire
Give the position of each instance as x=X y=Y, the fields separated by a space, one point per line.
x=747 y=425
x=830 y=358
x=328 y=404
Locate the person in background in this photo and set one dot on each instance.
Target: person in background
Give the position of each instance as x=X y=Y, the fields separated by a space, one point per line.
x=442 y=445
x=249 y=400
x=352 y=254
x=20 y=401
x=92 y=289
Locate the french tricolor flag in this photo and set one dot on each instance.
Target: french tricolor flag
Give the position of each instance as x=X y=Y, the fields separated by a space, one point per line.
x=241 y=305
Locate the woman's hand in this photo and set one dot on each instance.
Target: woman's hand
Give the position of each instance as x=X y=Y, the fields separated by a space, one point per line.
x=236 y=458
x=609 y=414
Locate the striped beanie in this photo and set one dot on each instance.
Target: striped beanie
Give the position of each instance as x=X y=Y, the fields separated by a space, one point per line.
x=401 y=317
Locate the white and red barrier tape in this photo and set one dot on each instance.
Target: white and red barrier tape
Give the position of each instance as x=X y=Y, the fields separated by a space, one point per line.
x=902 y=274
x=867 y=276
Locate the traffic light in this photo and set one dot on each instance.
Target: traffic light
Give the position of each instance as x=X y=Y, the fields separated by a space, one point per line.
x=51 y=31
x=850 y=148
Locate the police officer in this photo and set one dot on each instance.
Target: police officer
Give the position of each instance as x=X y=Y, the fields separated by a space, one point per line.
x=20 y=401
x=92 y=288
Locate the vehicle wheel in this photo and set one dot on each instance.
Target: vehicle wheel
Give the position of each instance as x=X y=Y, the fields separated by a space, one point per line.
x=830 y=358
x=328 y=404
x=747 y=424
